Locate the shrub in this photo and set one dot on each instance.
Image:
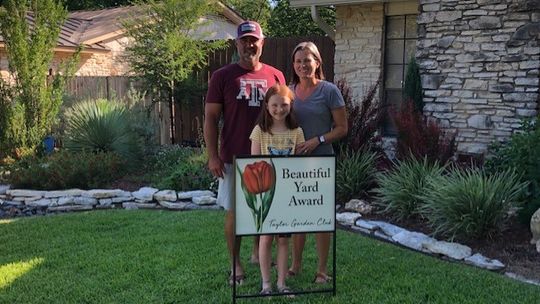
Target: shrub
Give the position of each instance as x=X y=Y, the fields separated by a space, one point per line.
x=102 y=125
x=63 y=170
x=420 y=137
x=471 y=203
x=521 y=152
x=355 y=174
x=399 y=190
x=412 y=89
x=363 y=120
x=181 y=168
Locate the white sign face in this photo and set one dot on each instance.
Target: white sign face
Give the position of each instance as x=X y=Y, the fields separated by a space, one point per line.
x=284 y=194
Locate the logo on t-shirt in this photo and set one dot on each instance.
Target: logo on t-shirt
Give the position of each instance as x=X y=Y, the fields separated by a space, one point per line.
x=252 y=90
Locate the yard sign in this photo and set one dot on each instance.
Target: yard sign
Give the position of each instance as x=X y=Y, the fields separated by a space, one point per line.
x=284 y=194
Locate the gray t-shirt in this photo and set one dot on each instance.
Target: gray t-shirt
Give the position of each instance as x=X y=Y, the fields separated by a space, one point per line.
x=314 y=114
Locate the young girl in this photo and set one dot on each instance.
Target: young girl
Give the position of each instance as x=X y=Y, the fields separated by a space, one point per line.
x=276 y=133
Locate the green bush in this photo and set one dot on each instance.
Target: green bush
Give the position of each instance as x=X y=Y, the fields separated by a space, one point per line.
x=180 y=168
x=521 y=152
x=64 y=170
x=398 y=191
x=355 y=174
x=470 y=203
x=102 y=125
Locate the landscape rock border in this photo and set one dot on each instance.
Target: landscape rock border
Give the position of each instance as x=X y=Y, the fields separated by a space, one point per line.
x=23 y=202
x=423 y=243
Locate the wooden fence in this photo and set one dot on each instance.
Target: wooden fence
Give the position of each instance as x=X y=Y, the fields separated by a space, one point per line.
x=189 y=117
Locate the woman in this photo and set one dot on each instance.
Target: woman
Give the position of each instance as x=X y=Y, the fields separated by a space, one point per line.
x=320 y=111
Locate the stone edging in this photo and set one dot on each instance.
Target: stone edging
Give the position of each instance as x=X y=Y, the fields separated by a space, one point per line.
x=17 y=202
x=423 y=243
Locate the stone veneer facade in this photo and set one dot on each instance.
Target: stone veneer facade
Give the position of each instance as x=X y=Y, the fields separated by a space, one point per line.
x=479 y=60
x=359 y=37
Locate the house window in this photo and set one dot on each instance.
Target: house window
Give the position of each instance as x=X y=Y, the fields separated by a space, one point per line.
x=400 y=45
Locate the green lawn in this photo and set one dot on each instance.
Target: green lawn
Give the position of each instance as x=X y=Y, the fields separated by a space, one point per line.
x=179 y=257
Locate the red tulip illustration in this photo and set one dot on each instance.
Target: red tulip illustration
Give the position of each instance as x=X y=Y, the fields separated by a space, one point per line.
x=259 y=180
x=258 y=177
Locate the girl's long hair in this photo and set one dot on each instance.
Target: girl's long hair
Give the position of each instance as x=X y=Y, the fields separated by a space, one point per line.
x=265 y=120
x=312 y=48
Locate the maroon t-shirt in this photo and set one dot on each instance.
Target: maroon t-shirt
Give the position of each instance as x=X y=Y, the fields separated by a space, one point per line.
x=241 y=92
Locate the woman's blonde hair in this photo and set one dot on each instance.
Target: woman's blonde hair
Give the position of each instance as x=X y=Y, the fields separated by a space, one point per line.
x=312 y=48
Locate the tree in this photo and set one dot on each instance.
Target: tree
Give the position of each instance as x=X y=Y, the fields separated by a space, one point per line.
x=257 y=10
x=94 y=4
x=31 y=100
x=286 y=21
x=166 y=47
x=413 y=85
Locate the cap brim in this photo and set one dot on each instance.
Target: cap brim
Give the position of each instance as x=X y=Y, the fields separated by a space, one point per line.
x=250 y=34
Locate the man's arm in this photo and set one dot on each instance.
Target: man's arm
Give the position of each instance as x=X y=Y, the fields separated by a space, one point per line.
x=212 y=113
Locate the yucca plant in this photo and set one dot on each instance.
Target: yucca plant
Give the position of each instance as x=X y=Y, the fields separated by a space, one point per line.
x=101 y=125
x=471 y=203
x=355 y=174
x=399 y=189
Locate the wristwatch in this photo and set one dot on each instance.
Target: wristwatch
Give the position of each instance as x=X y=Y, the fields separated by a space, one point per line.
x=321 y=139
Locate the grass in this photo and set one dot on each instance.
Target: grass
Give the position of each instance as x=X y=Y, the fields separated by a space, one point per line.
x=179 y=257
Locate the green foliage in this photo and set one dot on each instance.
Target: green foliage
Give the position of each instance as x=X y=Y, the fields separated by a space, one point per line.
x=102 y=125
x=94 y=4
x=521 y=152
x=400 y=189
x=355 y=174
x=413 y=85
x=286 y=21
x=257 y=10
x=35 y=97
x=167 y=46
x=65 y=170
x=180 y=168
x=470 y=203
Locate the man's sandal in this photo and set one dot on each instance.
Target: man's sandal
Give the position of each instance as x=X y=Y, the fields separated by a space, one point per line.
x=239 y=279
x=322 y=278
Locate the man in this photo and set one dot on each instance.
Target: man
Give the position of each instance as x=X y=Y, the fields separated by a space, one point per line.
x=236 y=91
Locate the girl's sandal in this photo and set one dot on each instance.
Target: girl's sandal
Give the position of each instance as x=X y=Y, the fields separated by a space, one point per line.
x=322 y=278
x=266 y=291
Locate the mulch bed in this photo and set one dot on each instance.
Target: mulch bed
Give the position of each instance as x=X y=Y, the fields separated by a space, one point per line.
x=511 y=247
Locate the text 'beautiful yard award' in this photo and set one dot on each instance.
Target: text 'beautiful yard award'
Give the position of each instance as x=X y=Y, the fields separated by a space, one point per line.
x=284 y=194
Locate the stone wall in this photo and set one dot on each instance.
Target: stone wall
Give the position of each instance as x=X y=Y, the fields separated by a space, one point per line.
x=359 y=34
x=480 y=63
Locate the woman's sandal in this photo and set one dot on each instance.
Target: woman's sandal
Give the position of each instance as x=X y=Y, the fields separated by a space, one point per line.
x=322 y=278
x=286 y=290
x=239 y=279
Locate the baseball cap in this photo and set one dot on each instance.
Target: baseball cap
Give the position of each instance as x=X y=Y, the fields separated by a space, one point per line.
x=249 y=28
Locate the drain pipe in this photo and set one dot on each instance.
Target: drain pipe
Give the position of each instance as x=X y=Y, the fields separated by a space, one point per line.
x=320 y=22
